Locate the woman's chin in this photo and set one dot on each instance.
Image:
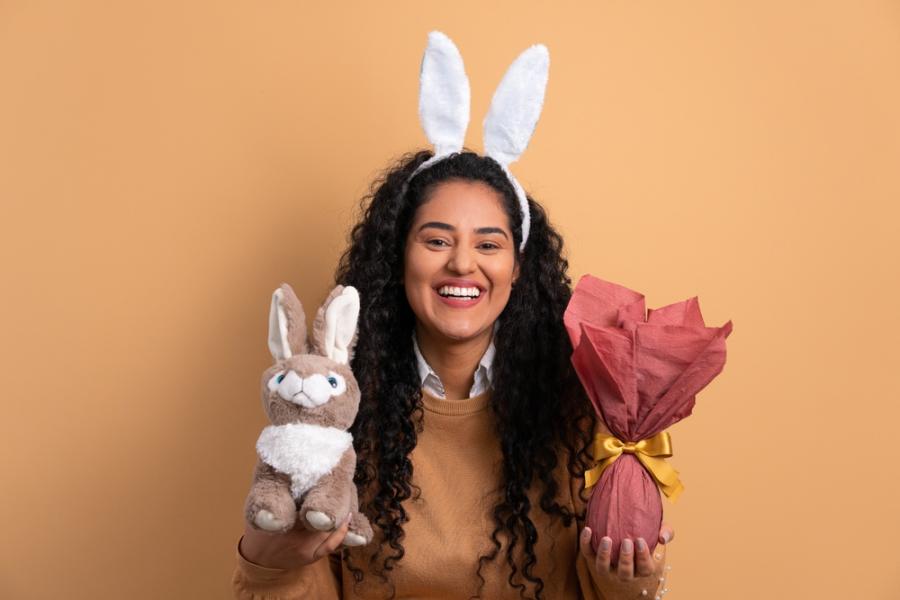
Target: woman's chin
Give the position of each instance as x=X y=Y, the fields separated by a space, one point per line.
x=462 y=334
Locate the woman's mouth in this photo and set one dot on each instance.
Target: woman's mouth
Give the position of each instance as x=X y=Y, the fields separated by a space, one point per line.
x=459 y=297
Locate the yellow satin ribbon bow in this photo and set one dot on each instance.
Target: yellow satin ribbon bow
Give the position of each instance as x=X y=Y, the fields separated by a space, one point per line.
x=651 y=452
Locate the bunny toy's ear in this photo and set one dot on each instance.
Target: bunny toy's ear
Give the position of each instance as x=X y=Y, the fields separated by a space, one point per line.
x=287 y=324
x=444 y=97
x=334 y=328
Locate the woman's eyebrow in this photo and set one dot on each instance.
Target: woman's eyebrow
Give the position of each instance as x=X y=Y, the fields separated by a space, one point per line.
x=449 y=227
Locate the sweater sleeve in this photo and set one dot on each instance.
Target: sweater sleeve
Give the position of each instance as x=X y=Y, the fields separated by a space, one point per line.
x=320 y=580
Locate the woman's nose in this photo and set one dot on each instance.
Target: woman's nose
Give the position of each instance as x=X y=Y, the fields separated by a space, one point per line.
x=462 y=259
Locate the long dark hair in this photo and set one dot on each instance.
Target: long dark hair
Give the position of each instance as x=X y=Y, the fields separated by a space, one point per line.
x=539 y=405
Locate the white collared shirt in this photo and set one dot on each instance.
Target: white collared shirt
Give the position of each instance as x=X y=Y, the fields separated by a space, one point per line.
x=432 y=383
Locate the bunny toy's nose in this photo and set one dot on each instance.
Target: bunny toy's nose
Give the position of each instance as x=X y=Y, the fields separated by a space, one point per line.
x=309 y=392
x=316 y=390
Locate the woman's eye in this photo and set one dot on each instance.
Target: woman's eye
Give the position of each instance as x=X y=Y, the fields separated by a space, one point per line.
x=490 y=246
x=430 y=241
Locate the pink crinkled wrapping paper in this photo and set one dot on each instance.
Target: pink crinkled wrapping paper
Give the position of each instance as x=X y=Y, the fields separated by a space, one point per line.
x=641 y=369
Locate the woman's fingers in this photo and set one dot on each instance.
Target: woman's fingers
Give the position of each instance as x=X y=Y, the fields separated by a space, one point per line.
x=600 y=560
x=584 y=544
x=625 y=569
x=642 y=559
x=333 y=540
x=666 y=533
x=604 y=554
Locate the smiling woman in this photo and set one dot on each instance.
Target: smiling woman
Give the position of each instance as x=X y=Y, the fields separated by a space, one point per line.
x=459 y=267
x=473 y=429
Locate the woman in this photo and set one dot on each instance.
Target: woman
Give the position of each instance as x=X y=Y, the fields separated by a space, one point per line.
x=473 y=428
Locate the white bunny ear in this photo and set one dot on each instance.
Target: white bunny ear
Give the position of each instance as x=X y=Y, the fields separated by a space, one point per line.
x=516 y=106
x=340 y=324
x=278 y=328
x=444 y=95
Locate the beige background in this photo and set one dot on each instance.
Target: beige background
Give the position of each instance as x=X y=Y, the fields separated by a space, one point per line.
x=165 y=165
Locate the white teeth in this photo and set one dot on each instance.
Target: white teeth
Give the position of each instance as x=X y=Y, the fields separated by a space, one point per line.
x=470 y=292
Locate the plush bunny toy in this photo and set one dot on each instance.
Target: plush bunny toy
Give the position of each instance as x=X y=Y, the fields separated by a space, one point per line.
x=306 y=457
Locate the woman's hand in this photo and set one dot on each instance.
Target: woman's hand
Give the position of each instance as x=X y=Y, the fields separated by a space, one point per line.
x=292 y=549
x=638 y=575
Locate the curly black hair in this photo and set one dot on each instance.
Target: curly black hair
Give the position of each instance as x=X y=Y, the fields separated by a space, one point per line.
x=539 y=405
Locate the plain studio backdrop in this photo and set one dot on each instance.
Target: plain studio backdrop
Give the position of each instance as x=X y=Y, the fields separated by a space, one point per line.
x=165 y=165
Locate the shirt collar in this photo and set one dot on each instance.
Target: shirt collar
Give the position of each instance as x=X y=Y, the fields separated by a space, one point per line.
x=483 y=372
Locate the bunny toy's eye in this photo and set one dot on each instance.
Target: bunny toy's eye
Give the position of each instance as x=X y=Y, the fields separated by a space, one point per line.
x=275 y=380
x=336 y=383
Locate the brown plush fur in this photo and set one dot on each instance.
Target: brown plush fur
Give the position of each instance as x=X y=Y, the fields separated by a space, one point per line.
x=334 y=494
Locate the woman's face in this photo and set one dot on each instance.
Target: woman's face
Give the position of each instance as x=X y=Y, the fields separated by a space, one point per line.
x=460 y=245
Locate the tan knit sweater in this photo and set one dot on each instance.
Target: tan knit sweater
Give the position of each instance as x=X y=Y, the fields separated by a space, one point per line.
x=456 y=464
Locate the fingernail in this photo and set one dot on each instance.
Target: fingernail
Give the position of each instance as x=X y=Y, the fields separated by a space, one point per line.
x=585 y=534
x=627 y=546
x=349 y=516
x=665 y=537
x=605 y=543
x=642 y=545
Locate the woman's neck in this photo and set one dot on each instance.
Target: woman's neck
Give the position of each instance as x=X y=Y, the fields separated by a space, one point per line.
x=454 y=362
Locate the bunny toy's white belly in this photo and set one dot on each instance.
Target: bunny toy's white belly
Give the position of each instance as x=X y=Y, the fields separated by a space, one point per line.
x=305 y=452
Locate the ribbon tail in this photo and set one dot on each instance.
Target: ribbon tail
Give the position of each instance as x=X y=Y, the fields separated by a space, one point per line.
x=665 y=476
x=673 y=492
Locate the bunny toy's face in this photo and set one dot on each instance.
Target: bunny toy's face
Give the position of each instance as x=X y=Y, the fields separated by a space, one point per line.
x=311 y=389
x=311 y=381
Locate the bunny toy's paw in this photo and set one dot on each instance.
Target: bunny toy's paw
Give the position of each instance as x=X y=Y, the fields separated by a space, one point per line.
x=269 y=522
x=360 y=532
x=354 y=539
x=319 y=520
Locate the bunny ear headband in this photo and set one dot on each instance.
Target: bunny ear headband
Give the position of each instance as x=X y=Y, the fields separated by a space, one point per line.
x=509 y=124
